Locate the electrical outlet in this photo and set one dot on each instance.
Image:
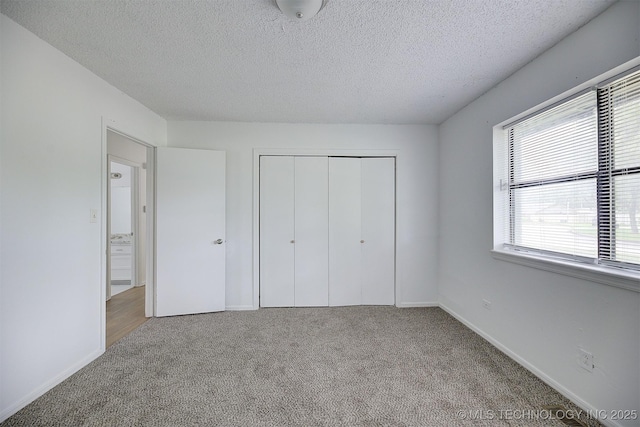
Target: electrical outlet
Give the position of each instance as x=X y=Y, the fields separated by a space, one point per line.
x=486 y=304
x=585 y=360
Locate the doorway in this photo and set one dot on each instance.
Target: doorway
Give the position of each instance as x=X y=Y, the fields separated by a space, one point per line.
x=123 y=219
x=127 y=257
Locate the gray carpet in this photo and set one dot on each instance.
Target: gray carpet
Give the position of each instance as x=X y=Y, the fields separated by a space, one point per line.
x=354 y=366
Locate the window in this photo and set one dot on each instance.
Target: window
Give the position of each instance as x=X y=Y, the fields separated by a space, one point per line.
x=569 y=179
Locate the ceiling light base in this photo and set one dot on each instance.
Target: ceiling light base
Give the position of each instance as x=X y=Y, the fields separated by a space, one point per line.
x=300 y=10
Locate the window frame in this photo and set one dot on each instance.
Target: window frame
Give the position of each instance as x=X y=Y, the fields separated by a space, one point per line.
x=596 y=270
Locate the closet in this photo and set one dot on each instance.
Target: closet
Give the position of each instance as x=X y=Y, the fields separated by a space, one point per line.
x=327 y=231
x=293 y=231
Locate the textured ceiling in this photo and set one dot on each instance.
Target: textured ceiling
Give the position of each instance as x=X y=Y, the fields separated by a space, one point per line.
x=357 y=61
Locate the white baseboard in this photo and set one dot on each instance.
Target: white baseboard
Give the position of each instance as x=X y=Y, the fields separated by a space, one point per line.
x=399 y=305
x=417 y=304
x=535 y=371
x=239 y=307
x=39 y=391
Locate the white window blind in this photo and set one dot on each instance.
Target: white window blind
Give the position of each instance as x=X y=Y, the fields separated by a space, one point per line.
x=619 y=189
x=574 y=177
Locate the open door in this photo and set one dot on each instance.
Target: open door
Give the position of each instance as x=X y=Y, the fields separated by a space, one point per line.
x=190 y=231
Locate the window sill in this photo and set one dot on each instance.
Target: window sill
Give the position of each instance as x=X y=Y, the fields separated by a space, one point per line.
x=595 y=273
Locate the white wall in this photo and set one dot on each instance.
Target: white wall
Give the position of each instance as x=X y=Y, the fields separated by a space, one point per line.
x=125 y=172
x=416 y=195
x=51 y=176
x=541 y=317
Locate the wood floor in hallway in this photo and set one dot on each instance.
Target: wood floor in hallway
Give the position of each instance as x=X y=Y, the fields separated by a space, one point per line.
x=125 y=312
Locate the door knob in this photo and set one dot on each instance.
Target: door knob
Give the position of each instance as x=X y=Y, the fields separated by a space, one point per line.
x=293 y=241
x=361 y=241
x=217 y=242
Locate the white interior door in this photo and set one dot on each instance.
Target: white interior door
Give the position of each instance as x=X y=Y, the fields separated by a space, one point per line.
x=311 y=231
x=277 y=238
x=378 y=231
x=345 y=231
x=190 y=231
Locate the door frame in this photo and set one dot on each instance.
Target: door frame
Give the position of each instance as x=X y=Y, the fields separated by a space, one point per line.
x=112 y=126
x=320 y=152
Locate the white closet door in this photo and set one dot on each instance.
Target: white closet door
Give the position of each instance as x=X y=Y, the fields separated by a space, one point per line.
x=276 y=231
x=311 y=231
x=378 y=231
x=344 y=231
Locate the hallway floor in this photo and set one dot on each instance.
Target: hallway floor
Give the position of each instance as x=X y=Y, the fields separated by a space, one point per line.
x=125 y=313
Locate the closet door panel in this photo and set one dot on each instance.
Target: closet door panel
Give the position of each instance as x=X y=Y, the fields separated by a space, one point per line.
x=276 y=231
x=344 y=231
x=311 y=231
x=378 y=231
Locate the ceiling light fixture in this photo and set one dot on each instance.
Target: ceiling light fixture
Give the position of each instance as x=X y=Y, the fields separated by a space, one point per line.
x=300 y=10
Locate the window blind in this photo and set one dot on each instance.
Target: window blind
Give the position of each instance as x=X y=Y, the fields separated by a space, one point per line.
x=553 y=166
x=574 y=177
x=619 y=187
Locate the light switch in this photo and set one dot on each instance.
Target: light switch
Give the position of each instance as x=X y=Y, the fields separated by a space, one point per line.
x=93 y=215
